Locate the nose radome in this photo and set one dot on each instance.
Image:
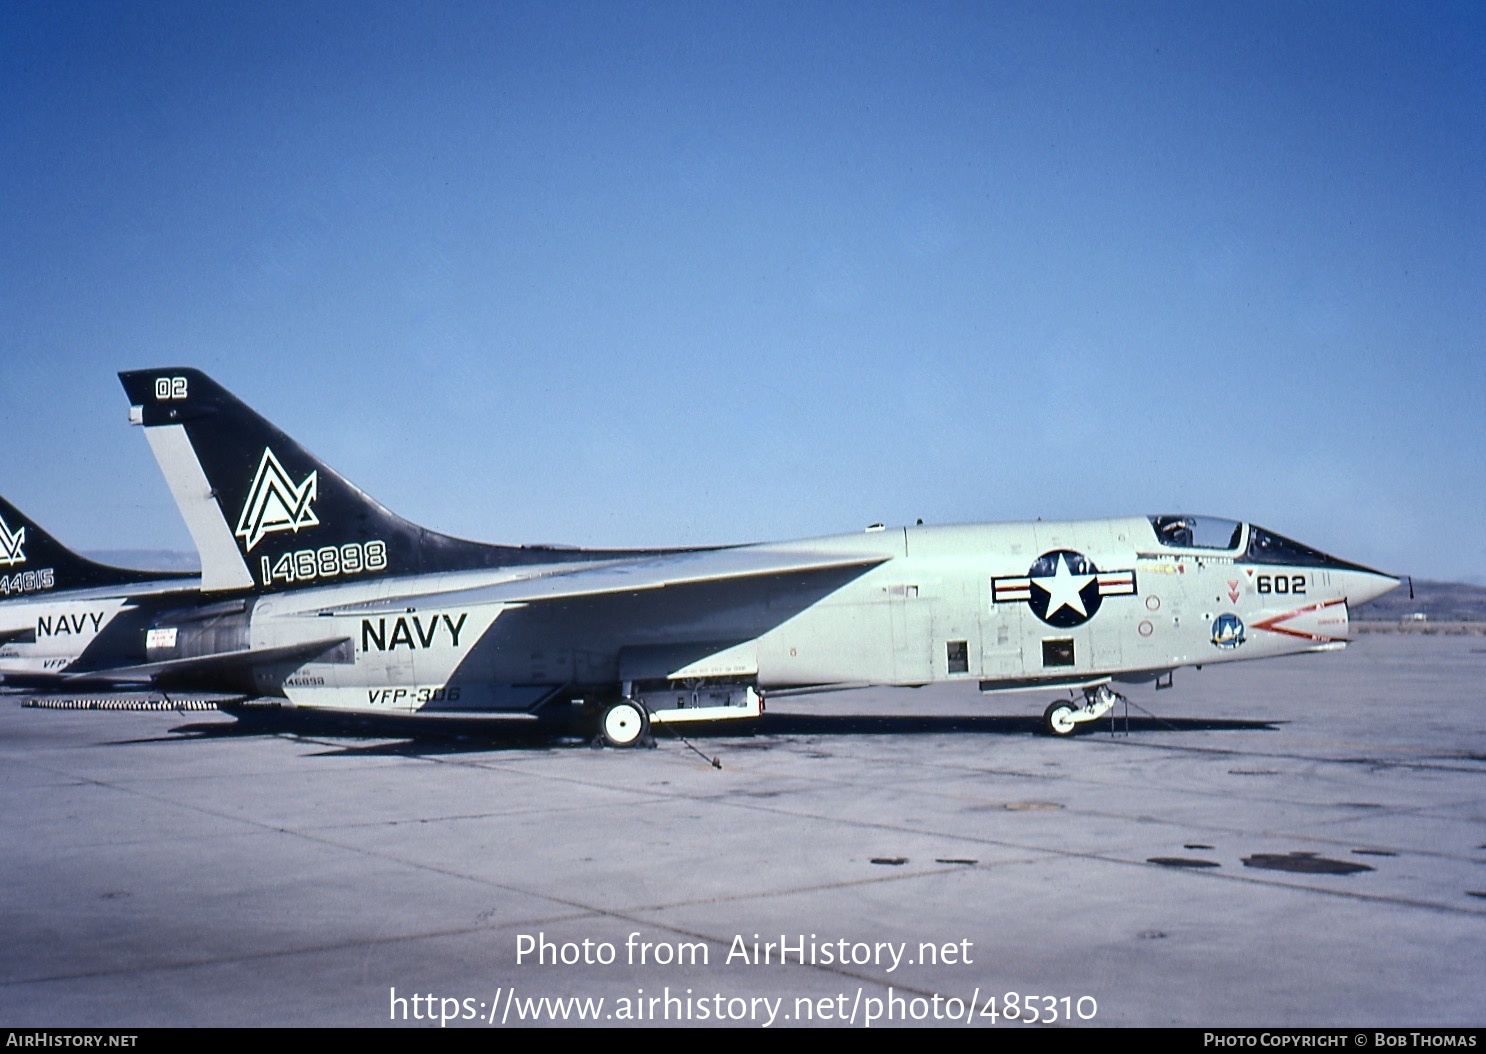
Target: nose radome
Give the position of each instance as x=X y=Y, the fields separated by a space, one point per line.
x=1363 y=586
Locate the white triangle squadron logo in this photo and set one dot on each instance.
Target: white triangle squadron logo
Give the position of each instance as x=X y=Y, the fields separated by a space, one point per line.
x=10 y=545
x=275 y=503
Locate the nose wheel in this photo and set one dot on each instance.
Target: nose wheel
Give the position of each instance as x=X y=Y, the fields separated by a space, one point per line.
x=1063 y=718
x=1057 y=719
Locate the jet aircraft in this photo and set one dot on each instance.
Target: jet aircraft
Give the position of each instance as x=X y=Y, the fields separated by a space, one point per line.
x=65 y=616
x=317 y=596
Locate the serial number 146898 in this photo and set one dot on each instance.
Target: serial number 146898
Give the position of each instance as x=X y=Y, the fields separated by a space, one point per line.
x=328 y=561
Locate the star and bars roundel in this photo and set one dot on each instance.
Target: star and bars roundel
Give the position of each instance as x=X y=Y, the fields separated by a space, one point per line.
x=1063 y=588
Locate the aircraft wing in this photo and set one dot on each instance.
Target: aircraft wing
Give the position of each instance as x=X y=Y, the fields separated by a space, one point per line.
x=635 y=576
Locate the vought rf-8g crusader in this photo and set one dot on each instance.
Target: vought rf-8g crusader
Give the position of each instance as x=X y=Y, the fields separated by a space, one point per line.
x=62 y=614
x=316 y=595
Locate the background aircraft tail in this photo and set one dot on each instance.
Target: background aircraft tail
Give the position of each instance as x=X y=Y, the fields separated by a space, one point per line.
x=268 y=515
x=32 y=561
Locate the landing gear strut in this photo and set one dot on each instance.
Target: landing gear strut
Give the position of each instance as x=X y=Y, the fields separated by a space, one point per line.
x=1063 y=718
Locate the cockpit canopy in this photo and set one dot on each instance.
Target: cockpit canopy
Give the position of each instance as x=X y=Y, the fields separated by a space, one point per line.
x=1198 y=532
x=1215 y=535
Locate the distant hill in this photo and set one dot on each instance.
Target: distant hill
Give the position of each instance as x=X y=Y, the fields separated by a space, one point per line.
x=1437 y=601
x=147 y=559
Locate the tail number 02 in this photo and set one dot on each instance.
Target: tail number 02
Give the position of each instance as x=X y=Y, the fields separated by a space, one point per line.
x=167 y=388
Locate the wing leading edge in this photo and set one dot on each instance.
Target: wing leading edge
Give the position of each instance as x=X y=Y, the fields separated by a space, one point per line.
x=720 y=566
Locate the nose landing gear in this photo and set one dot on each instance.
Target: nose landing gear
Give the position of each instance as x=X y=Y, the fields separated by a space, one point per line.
x=1063 y=718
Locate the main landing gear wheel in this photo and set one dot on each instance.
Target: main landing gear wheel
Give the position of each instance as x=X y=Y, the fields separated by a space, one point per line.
x=1057 y=719
x=624 y=723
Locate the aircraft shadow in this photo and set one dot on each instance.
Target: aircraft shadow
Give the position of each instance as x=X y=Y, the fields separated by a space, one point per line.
x=412 y=737
x=394 y=735
x=987 y=724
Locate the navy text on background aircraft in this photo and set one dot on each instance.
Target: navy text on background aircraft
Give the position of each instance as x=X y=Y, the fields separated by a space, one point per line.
x=318 y=596
x=63 y=615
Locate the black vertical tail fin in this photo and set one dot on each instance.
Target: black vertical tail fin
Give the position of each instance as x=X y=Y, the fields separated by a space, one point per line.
x=265 y=513
x=32 y=561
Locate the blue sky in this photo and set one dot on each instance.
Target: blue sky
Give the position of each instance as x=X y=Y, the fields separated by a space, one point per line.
x=646 y=274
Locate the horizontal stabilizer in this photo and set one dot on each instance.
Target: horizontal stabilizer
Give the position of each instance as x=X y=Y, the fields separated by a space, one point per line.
x=216 y=668
x=132 y=701
x=22 y=635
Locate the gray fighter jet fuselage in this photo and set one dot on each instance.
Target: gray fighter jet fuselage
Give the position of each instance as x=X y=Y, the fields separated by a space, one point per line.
x=316 y=595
